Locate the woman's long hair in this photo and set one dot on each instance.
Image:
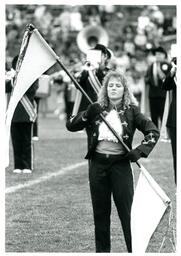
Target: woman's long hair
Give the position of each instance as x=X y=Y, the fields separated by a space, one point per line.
x=128 y=97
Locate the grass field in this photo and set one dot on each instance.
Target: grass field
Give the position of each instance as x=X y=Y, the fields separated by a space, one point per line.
x=50 y=209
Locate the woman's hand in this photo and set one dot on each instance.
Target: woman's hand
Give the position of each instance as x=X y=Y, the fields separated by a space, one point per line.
x=133 y=155
x=92 y=111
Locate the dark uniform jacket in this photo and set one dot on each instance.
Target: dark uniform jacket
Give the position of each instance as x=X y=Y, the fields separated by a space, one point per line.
x=20 y=114
x=87 y=87
x=130 y=118
x=155 y=91
x=169 y=84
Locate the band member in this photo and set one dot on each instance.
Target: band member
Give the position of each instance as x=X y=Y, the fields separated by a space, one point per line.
x=21 y=129
x=110 y=170
x=90 y=79
x=153 y=79
x=170 y=84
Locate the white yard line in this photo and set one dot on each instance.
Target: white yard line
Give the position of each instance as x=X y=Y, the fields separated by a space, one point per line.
x=44 y=178
x=55 y=174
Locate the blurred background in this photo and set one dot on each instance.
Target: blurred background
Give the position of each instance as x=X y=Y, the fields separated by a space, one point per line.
x=130 y=32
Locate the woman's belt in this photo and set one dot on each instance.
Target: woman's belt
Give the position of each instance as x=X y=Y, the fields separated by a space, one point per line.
x=103 y=157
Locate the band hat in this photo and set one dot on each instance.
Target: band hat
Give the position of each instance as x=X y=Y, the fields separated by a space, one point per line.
x=111 y=52
x=159 y=49
x=103 y=49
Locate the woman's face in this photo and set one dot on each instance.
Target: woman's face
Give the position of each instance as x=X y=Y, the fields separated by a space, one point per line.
x=115 y=89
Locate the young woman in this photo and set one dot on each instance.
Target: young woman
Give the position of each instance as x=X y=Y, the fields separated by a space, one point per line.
x=110 y=170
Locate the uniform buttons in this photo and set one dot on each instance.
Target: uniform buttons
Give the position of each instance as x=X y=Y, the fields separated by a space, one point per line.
x=97 y=122
x=121 y=112
x=94 y=134
x=125 y=136
x=125 y=123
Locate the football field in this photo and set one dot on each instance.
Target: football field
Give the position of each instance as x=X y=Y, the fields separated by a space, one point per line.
x=50 y=210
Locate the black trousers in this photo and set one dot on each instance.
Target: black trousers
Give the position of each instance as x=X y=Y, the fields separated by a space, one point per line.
x=157 y=109
x=172 y=135
x=110 y=175
x=21 y=134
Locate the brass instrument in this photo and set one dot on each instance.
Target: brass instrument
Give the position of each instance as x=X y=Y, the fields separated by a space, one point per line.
x=87 y=39
x=91 y=35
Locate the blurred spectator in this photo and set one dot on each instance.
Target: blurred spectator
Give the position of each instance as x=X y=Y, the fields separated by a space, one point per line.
x=128 y=34
x=153 y=79
x=169 y=26
x=43 y=19
x=136 y=83
x=139 y=62
x=150 y=56
x=65 y=89
x=59 y=85
x=122 y=59
x=93 y=15
x=106 y=13
x=122 y=63
x=42 y=94
x=75 y=20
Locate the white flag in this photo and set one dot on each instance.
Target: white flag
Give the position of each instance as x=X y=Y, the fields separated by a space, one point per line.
x=149 y=204
x=38 y=58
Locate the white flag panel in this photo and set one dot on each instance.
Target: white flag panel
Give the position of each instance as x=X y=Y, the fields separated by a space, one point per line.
x=149 y=205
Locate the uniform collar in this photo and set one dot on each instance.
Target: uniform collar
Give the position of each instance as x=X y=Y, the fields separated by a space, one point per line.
x=117 y=107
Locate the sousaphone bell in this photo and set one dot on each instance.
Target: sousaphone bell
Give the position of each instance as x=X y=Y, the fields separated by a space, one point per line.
x=91 y=35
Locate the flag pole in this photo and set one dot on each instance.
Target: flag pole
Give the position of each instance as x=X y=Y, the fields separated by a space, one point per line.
x=28 y=31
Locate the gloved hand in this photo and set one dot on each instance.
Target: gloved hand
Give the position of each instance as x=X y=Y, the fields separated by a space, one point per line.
x=134 y=155
x=92 y=111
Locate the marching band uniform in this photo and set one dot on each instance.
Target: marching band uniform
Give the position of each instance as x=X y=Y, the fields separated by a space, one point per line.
x=154 y=79
x=86 y=85
x=90 y=79
x=170 y=84
x=22 y=125
x=21 y=134
x=109 y=164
